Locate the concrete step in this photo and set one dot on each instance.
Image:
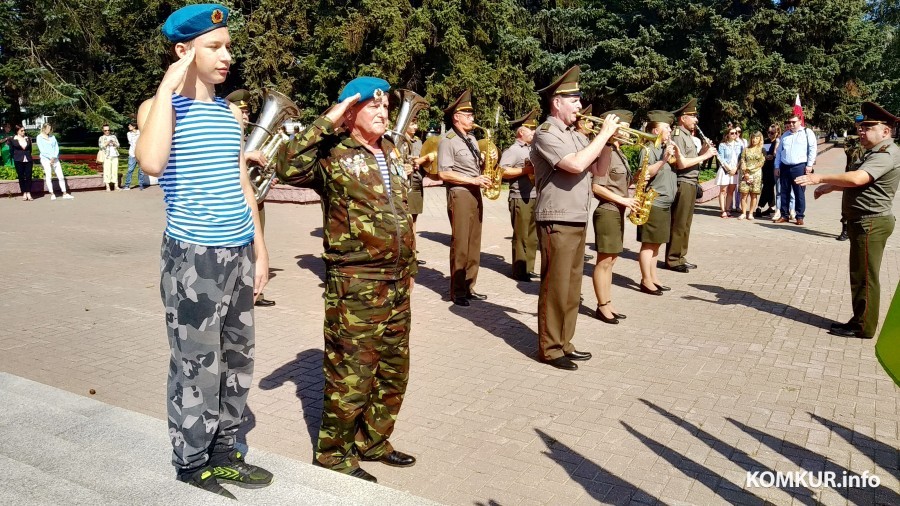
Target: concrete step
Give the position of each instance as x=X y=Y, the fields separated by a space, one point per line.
x=61 y=448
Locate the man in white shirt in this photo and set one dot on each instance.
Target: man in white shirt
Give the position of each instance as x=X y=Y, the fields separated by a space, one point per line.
x=795 y=157
x=133 y=134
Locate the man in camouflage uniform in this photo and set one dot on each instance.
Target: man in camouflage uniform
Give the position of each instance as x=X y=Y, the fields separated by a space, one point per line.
x=868 y=196
x=370 y=259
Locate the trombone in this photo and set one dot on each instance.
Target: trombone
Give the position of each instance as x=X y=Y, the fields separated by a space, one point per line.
x=624 y=135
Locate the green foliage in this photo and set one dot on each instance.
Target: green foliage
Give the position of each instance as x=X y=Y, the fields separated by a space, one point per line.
x=94 y=61
x=37 y=171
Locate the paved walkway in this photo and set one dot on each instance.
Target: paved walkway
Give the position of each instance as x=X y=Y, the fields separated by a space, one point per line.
x=732 y=371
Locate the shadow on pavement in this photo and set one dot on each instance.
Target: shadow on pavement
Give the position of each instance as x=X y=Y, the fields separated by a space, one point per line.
x=602 y=485
x=725 y=296
x=801 y=230
x=312 y=263
x=306 y=374
x=885 y=456
x=808 y=460
x=733 y=492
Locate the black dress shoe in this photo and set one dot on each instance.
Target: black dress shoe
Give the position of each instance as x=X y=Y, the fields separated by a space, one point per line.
x=611 y=321
x=680 y=268
x=644 y=289
x=845 y=332
x=525 y=278
x=588 y=258
x=846 y=326
x=690 y=265
x=361 y=474
x=579 y=355
x=461 y=301
x=662 y=287
x=533 y=274
x=475 y=296
x=395 y=458
x=264 y=302
x=843 y=236
x=420 y=262
x=565 y=363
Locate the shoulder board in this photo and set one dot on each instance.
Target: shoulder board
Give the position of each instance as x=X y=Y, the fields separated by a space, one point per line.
x=884 y=148
x=545 y=127
x=676 y=132
x=451 y=135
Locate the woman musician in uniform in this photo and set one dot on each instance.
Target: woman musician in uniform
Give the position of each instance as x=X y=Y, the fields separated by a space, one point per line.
x=611 y=189
x=657 y=229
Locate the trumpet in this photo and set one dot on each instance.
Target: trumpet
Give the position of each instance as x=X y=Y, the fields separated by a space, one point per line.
x=625 y=135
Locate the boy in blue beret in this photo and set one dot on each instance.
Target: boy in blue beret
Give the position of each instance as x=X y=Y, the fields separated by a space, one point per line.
x=214 y=259
x=370 y=260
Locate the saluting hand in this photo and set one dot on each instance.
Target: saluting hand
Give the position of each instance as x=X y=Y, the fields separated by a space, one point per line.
x=176 y=73
x=336 y=113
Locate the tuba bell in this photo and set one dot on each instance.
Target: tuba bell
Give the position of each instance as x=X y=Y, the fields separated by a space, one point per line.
x=410 y=105
x=276 y=109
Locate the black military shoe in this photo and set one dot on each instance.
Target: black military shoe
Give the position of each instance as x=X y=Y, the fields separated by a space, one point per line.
x=261 y=302
x=533 y=274
x=680 y=268
x=461 y=301
x=475 y=296
x=395 y=458
x=565 y=363
x=235 y=471
x=843 y=236
x=579 y=355
x=205 y=480
x=361 y=474
x=846 y=326
x=690 y=265
x=588 y=258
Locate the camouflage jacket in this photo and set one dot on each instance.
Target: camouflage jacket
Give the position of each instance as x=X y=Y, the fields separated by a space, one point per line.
x=367 y=234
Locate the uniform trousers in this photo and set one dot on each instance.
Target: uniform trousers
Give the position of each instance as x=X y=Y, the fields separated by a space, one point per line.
x=867 y=240
x=682 y=217
x=562 y=268
x=524 y=236
x=366 y=368
x=466 y=211
x=208 y=296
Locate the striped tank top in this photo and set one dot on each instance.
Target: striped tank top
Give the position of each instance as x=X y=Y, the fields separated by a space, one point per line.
x=205 y=203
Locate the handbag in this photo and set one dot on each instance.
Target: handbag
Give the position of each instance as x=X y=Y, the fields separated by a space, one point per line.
x=101 y=156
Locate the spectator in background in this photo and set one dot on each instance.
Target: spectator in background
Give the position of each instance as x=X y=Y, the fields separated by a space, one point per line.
x=109 y=144
x=133 y=135
x=20 y=148
x=49 y=150
x=795 y=157
x=752 y=160
x=767 y=194
x=730 y=150
x=5 y=154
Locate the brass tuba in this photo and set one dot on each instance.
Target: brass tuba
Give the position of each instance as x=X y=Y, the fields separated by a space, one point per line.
x=490 y=167
x=410 y=105
x=276 y=109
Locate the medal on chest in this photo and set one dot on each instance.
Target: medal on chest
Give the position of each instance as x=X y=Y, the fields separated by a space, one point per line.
x=395 y=163
x=355 y=164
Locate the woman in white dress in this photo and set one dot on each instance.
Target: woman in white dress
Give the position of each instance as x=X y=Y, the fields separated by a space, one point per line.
x=727 y=176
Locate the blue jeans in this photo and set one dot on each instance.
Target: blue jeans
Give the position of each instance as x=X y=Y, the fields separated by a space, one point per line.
x=778 y=196
x=132 y=161
x=792 y=191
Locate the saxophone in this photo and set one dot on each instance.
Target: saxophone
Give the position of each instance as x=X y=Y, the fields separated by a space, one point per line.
x=643 y=195
x=489 y=167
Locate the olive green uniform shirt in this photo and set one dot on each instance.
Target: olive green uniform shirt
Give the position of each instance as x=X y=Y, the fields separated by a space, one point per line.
x=453 y=154
x=616 y=178
x=882 y=162
x=515 y=156
x=665 y=182
x=685 y=143
x=562 y=196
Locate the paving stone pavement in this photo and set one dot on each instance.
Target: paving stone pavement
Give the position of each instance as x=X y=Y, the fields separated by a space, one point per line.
x=731 y=372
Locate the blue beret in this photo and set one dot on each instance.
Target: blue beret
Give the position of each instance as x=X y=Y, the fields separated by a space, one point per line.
x=367 y=87
x=192 y=21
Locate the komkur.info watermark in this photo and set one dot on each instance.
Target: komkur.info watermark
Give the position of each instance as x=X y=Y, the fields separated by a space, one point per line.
x=811 y=479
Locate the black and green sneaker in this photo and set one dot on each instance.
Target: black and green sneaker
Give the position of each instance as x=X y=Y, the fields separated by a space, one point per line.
x=204 y=479
x=235 y=471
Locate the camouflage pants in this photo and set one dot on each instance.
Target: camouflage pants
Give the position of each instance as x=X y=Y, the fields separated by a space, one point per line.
x=366 y=368
x=208 y=295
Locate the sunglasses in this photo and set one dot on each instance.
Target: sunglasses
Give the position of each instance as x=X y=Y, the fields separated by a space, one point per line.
x=732 y=133
x=791 y=122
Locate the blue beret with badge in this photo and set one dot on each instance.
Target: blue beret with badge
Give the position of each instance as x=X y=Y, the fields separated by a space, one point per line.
x=367 y=87
x=192 y=21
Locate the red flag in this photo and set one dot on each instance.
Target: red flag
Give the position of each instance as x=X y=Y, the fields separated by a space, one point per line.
x=798 y=110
